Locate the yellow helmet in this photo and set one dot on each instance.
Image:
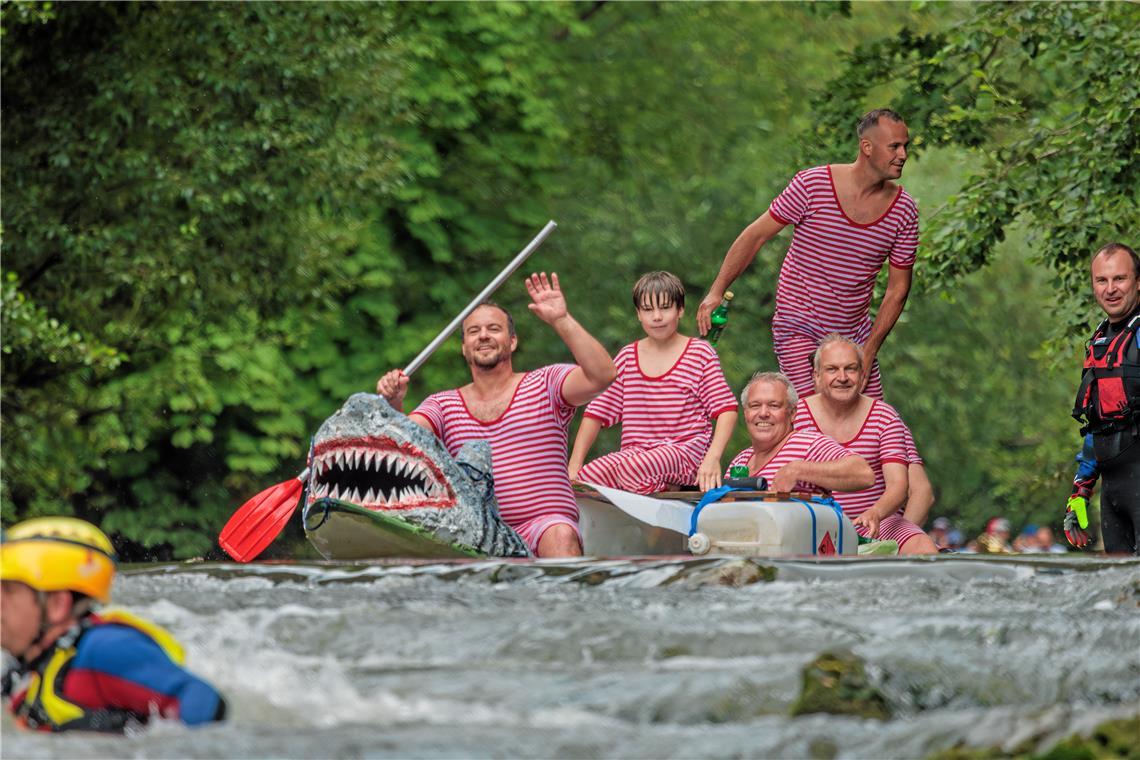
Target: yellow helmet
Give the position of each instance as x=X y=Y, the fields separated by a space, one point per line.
x=59 y=554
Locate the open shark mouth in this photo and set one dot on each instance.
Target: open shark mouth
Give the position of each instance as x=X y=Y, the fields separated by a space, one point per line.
x=379 y=474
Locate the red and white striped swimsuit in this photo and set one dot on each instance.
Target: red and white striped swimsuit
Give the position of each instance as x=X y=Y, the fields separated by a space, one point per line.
x=828 y=275
x=801 y=445
x=528 y=444
x=665 y=420
x=880 y=440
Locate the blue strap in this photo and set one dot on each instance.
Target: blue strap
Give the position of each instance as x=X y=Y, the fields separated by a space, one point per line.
x=829 y=502
x=811 y=511
x=713 y=495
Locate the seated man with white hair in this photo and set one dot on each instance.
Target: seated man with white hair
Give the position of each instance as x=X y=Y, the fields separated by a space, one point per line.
x=871 y=428
x=789 y=459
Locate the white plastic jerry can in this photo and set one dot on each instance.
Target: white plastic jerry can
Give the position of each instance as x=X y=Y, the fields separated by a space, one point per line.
x=772 y=529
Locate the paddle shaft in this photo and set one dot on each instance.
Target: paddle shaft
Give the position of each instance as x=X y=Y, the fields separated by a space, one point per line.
x=517 y=262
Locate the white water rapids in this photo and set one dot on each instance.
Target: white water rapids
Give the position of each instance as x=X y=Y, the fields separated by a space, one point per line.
x=631 y=659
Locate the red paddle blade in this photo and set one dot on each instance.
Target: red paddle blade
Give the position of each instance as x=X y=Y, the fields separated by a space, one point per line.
x=260 y=520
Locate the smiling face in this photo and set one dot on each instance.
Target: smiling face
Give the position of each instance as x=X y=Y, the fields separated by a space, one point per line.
x=885 y=147
x=767 y=414
x=840 y=372
x=659 y=317
x=487 y=339
x=1115 y=284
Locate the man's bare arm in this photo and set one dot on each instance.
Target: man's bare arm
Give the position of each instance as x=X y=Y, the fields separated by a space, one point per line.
x=740 y=255
x=595 y=370
x=393 y=386
x=895 y=475
x=920 y=495
x=851 y=473
x=894 y=299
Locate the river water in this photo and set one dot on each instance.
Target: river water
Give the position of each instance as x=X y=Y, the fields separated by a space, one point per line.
x=632 y=658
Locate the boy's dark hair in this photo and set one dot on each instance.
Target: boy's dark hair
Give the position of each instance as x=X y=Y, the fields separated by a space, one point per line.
x=659 y=289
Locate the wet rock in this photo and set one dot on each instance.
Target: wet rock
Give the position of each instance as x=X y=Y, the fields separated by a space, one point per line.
x=823 y=749
x=1110 y=740
x=837 y=683
x=731 y=572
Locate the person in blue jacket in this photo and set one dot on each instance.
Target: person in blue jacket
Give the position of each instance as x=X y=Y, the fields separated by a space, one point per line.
x=69 y=667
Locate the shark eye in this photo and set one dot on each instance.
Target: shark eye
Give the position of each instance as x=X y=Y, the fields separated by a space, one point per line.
x=378 y=477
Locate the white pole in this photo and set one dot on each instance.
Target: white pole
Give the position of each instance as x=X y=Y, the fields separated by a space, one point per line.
x=503 y=275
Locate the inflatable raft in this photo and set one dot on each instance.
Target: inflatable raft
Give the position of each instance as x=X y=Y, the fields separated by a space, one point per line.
x=619 y=524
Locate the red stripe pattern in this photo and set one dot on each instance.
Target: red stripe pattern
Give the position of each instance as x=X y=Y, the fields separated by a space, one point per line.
x=528 y=443
x=666 y=420
x=828 y=275
x=803 y=445
x=895 y=528
x=880 y=440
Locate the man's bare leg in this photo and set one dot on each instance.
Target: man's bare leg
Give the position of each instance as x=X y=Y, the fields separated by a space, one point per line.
x=559 y=540
x=919 y=545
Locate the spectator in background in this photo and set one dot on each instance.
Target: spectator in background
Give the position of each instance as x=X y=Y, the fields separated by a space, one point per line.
x=1046 y=542
x=940 y=532
x=995 y=540
x=1026 y=541
x=954 y=540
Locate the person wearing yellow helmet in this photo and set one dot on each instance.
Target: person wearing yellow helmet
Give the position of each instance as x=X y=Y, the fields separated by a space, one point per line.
x=68 y=667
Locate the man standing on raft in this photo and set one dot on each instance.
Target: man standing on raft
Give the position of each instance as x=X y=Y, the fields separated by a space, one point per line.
x=848 y=219
x=525 y=416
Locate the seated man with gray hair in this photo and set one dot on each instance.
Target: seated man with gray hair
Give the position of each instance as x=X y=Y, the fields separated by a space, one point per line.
x=789 y=459
x=871 y=428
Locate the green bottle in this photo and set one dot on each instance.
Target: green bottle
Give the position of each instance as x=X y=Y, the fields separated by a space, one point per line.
x=738 y=471
x=718 y=319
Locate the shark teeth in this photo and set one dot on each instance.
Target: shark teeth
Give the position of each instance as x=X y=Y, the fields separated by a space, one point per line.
x=376 y=477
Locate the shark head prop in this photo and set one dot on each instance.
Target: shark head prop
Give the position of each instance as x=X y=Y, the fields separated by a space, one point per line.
x=370 y=455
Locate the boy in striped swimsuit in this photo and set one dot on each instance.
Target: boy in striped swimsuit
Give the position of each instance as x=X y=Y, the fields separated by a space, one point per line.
x=525 y=416
x=871 y=428
x=667 y=390
x=789 y=459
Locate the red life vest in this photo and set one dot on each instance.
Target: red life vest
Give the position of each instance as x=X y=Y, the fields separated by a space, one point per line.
x=1110 y=386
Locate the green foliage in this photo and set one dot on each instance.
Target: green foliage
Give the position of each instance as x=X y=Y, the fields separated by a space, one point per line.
x=1042 y=103
x=1048 y=96
x=222 y=219
x=175 y=212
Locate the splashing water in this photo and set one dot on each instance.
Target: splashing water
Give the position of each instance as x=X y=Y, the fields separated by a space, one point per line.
x=632 y=658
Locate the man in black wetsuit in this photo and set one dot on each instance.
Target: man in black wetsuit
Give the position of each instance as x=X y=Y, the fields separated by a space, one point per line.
x=1108 y=402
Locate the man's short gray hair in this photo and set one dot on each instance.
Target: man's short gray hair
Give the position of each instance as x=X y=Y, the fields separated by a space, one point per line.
x=830 y=339
x=772 y=377
x=871 y=119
